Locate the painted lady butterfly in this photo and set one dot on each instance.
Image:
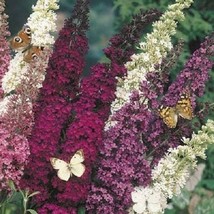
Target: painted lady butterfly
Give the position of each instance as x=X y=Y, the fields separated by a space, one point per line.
x=183 y=108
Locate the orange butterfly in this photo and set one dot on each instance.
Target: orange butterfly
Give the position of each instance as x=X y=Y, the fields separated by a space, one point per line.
x=183 y=108
x=22 y=42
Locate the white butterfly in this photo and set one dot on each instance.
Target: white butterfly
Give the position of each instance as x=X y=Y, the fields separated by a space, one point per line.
x=147 y=200
x=66 y=170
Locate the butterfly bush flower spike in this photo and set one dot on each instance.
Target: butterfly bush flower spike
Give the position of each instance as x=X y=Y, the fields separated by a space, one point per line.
x=153 y=50
x=4 y=53
x=195 y=74
x=53 y=115
x=17 y=151
x=4 y=46
x=42 y=23
x=17 y=117
x=171 y=173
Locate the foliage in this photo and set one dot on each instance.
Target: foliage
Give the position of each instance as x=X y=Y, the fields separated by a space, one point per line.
x=199 y=201
x=16 y=201
x=199 y=19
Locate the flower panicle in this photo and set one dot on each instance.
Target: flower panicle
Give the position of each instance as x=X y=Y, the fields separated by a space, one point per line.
x=42 y=24
x=67 y=60
x=14 y=152
x=44 y=17
x=18 y=120
x=15 y=118
x=80 y=16
x=153 y=50
x=121 y=154
x=54 y=110
x=46 y=4
x=194 y=75
x=4 y=24
x=4 y=45
x=175 y=166
x=123 y=42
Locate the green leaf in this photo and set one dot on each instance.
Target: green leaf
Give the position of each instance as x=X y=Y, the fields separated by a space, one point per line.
x=170 y=211
x=182 y=200
x=3 y=197
x=11 y=209
x=22 y=193
x=16 y=198
x=205 y=207
x=32 y=211
x=208 y=183
x=11 y=185
x=81 y=210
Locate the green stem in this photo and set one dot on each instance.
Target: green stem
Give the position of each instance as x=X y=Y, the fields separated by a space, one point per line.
x=25 y=205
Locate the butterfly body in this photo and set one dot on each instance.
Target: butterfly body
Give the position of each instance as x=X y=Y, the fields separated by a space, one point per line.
x=32 y=53
x=22 y=42
x=74 y=167
x=183 y=108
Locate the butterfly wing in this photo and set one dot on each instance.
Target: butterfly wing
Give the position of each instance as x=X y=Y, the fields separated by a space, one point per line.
x=154 y=203
x=32 y=53
x=139 y=207
x=64 y=172
x=140 y=203
x=77 y=168
x=184 y=107
x=77 y=158
x=22 y=40
x=169 y=116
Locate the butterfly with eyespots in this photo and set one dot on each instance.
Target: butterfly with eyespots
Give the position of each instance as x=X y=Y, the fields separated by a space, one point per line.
x=22 y=42
x=74 y=167
x=183 y=108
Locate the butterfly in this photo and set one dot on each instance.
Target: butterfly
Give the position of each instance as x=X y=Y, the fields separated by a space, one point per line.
x=22 y=42
x=183 y=108
x=148 y=201
x=74 y=167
